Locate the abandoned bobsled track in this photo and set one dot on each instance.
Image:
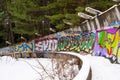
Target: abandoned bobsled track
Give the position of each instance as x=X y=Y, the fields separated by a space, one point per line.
x=85 y=72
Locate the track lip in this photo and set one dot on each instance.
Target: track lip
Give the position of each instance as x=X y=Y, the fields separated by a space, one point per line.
x=84 y=72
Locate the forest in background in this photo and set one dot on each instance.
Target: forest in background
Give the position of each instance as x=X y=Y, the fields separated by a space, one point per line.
x=27 y=17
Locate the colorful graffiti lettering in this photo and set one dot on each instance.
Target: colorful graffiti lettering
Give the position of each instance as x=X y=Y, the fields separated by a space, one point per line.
x=25 y=47
x=107 y=42
x=82 y=42
x=104 y=42
x=46 y=44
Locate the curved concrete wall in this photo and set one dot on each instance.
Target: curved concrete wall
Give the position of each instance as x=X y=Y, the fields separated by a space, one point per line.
x=99 y=36
x=84 y=71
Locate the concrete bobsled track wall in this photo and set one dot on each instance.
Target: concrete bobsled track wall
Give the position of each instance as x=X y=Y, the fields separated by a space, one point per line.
x=99 y=37
x=103 y=42
x=25 y=47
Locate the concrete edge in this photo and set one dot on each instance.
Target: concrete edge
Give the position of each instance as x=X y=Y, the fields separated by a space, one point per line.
x=84 y=71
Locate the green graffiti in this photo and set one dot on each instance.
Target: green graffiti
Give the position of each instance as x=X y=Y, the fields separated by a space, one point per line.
x=60 y=46
x=109 y=41
x=87 y=44
x=68 y=43
x=76 y=43
x=102 y=36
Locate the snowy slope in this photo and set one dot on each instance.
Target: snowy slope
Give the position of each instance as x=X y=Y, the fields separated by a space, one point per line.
x=11 y=69
x=102 y=69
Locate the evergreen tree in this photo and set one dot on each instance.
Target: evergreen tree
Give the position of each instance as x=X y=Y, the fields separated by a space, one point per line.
x=25 y=17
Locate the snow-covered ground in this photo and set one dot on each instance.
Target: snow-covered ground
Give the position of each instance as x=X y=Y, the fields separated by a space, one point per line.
x=26 y=69
x=32 y=69
x=11 y=69
x=102 y=69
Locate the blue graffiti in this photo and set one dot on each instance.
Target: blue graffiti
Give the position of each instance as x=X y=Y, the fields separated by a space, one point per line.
x=114 y=23
x=25 y=47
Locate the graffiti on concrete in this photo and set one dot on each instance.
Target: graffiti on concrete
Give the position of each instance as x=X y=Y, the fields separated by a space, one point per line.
x=103 y=42
x=72 y=32
x=7 y=50
x=115 y=24
x=82 y=42
x=107 y=42
x=47 y=44
x=25 y=47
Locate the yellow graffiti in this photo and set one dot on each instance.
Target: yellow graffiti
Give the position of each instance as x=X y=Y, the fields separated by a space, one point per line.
x=118 y=54
x=115 y=43
x=111 y=43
